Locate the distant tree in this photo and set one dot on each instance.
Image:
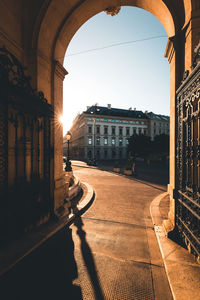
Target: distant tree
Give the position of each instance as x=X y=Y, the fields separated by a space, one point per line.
x=140 y=146
x=161 y=145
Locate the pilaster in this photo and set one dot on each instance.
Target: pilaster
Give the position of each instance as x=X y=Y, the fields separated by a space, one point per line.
x=59 y=74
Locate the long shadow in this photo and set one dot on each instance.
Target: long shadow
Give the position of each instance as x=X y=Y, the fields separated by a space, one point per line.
x=47 y=273
x=88 y=259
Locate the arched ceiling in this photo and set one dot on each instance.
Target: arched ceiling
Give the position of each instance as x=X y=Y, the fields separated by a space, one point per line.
x=63 y=18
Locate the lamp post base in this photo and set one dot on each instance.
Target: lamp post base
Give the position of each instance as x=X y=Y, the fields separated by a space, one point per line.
x=68 y=167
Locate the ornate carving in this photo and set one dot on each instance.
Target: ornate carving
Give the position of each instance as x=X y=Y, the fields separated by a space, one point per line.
x=188 y=160
x=25 y=116
x=17 y=89
x=185 y=75
x=196 y=60
x=112 y=10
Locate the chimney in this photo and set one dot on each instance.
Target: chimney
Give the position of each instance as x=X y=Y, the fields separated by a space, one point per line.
x=109 y=106
x=146 y=111
x=130 y=108
x=134 y=108
x=88 y=107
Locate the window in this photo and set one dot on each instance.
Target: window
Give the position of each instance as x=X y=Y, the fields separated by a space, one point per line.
x=89 y=129
x=127 y=131
x=105 y=130
x=145 y=132
x=98 y=141
x=89 y=154
x=89 y=141
x=127 y=141
x=98 y=154
x=120 y=142
x=105 y=153
x=105 y=141
x=140 y=131
x=113 y=141
x=134 y=131
x=113 y=130
x=120 y=130
x=113 y=153
x=98 y=129
x=120 y=153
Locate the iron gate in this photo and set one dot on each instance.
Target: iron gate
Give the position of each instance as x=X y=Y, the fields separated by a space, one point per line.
x=25 y=149
x=187 y=198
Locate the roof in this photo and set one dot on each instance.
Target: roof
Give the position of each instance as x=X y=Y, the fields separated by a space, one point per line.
x=151 y=115
x=115 y=112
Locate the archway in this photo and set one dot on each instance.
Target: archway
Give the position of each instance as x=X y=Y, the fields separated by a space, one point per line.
x=54 y=38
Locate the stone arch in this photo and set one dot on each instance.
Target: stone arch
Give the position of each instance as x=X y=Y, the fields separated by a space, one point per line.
x=67 y=21
x=55 y=27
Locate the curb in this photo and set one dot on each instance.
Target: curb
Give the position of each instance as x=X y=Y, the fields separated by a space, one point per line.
x=35 y=239
x=182 y=271
x=75 y=188
x=83 y=205
x=159 y=231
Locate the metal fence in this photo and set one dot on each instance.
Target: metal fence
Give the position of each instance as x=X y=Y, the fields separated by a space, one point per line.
x=25 y=149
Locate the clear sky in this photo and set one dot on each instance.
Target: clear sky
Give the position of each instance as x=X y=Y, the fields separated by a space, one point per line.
x=129 y=75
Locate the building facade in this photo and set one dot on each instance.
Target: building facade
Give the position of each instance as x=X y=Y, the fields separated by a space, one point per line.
x=158 y=124
x=103 y=132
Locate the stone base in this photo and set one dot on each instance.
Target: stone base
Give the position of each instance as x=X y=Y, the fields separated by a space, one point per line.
x=128 y=172
x=168 y=226
x=117 y=170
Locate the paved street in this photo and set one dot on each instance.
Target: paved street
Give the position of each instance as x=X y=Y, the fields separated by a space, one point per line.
x=117 y=250
x=110 y=253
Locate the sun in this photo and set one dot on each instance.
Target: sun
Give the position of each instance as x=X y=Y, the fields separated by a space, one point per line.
x=66 y=123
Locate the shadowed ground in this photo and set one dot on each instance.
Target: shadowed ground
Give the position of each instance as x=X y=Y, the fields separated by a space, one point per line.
x=110 y=252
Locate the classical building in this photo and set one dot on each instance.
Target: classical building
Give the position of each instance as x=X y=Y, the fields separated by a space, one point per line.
x=158 y=124
x=103 y=132
x=35 y=35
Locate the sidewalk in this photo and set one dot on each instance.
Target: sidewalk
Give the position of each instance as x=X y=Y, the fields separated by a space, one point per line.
x=182 y=271
x=15 y=251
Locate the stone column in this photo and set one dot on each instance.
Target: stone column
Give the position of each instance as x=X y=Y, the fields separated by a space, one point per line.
x=175 y=54
x=180 y=53
x=192 y=36
x=59 y=180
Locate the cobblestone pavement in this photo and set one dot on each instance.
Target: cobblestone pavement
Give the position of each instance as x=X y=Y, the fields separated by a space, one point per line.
x=116 y=249
x=110 y=252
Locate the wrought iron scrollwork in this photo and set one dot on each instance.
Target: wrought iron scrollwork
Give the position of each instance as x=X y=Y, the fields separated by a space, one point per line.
x=187 y=202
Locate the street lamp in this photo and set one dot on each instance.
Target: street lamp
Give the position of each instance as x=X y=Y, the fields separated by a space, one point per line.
x=68 y=167
x=94 y=156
